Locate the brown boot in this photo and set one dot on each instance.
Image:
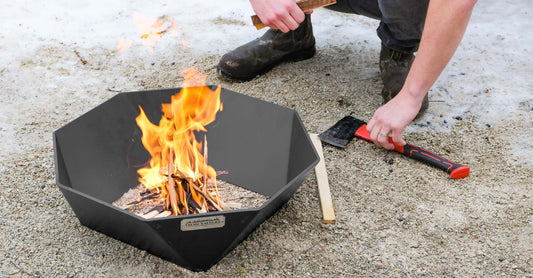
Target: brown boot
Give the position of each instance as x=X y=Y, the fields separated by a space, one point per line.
x=394 y=66
x=262 y=54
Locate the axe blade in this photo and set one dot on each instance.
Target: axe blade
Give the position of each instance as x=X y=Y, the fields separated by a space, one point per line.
x=342 y=132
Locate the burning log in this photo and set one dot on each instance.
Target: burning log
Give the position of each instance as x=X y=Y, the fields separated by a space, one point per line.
x=182 y=194
x=232 y=197
x=206 y=195
x=178 y=178
x=178 y=174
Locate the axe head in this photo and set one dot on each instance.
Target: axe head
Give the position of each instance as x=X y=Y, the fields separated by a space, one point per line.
x=342 y=132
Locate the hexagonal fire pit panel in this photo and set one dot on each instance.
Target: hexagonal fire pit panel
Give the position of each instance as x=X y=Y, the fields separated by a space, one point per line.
x=263 y=147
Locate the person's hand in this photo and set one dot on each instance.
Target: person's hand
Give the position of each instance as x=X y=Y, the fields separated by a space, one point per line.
x=284 y=15
x=391 y=119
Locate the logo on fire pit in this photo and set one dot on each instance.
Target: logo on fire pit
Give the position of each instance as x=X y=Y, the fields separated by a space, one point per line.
x=202 y=223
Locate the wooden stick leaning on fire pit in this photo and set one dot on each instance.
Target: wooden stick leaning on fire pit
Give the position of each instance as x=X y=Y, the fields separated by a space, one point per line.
x=305 y=6
x=328 y=214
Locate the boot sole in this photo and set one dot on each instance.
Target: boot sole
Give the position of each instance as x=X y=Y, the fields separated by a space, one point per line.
x=293 y=57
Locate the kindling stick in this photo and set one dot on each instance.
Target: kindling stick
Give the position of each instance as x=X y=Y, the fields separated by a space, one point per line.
x=206 y=195
x=326 y=203
x=171 y=185
x=304 y=5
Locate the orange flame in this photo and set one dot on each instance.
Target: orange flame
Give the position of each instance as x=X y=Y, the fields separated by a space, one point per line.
x=174 y=140
x=152 y=31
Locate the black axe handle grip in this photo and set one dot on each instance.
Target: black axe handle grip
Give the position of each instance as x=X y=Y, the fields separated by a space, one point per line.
x=456 y=171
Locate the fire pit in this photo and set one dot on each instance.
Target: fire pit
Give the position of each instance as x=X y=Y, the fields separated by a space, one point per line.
x=263 y=148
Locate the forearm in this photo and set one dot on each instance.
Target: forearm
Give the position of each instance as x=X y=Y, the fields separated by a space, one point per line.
x=445 y=25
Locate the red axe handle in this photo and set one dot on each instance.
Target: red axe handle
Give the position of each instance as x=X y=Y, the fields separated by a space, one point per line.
x=456 y=171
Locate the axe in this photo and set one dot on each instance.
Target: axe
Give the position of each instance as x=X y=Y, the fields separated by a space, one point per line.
x=349 y=127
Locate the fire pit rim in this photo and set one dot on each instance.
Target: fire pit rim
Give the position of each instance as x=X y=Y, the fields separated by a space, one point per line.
x=253 y=217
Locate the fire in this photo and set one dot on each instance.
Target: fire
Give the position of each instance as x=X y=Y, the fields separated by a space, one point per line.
x=178 y=165
x=152 y=31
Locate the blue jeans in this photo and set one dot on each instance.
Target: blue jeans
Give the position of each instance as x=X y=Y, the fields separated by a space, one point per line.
x=401 y=21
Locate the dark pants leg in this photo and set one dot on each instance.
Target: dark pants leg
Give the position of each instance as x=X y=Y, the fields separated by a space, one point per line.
x=401 y=21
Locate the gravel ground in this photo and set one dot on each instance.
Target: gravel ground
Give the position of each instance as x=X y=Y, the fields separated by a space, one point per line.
x=395 y=216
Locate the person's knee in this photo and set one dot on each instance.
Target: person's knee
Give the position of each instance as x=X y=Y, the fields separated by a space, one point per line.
x=367 y=8
x=341 y=6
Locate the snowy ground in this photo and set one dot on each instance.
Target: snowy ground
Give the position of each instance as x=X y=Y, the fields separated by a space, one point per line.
x=495 y=49
x=59 y=59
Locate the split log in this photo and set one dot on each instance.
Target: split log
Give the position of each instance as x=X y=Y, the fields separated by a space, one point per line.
x=304 y=5
x=163 y=214
x=150 y=214
x=231 y=205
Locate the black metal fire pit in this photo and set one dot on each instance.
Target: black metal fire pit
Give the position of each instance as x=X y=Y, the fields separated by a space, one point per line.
x=263 y=147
